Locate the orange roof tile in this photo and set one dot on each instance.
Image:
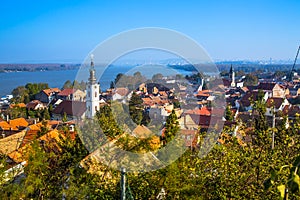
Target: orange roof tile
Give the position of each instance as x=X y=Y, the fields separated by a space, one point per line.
x=54 y=134
x=4 y=126
x=20 y=105
x=11 y=143
x=17 y=123
x=35 y=127
x=49 y=91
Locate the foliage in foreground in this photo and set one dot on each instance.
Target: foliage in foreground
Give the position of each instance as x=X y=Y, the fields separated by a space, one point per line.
x=229 y=171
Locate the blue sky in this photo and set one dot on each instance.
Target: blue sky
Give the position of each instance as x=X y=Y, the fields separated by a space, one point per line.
x=62 y=30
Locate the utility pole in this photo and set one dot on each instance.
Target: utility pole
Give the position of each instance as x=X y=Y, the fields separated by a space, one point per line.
x=123 y=183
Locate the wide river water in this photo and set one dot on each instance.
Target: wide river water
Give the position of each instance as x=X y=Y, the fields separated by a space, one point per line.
x=11 y=80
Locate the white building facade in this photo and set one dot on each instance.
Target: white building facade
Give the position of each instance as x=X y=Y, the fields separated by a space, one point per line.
x=92 y=93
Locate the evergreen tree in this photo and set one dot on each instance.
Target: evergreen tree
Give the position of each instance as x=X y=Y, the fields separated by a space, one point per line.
x=44 y=129
x=45 y=114
x=112 y=85
x=65 y=117
x=136 y=108
x=67 y=84
x=228 y=114
x=171 y=127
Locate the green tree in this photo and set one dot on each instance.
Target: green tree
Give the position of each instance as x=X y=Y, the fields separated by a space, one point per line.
x=118 y=78
x=76 y=85
x=67 y=84
x=45 y=114
x=250 y=80
x=65 y=117
x=136 y=108
x=20 y=95
x=44 y=129
x=112 y=85
x=228 y=114
x=107 y=122
x=34 y=88
x=171 y=127
x=157 y=77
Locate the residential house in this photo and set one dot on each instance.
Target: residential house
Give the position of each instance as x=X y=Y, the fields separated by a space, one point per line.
x=203 y=95
x=119 y=93
x=4 y=126
x=246 y=102
x=11 y=143
x=35 y=105
x=160 y=112
x=275 y=104
x=192 y=119
x=274 y=89
x=71 y=94
x=47 y=95
x=18 y=124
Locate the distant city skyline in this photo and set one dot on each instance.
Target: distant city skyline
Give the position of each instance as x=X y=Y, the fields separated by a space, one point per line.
x=66 y=31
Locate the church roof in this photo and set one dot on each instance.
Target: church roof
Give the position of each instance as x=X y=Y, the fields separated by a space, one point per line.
x=71 y=108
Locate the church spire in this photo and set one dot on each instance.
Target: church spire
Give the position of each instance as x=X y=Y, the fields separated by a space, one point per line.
x=232 y=76
x=231 y=70
x=92 y=60
x=92 y=79
x=92 y=92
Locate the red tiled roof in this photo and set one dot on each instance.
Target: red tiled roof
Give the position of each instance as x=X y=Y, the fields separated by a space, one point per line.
x=67 y=92
x=49 y=91
x=203 y=111
x=202 y=120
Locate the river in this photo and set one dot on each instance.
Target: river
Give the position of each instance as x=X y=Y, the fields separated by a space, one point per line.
x=11 y=80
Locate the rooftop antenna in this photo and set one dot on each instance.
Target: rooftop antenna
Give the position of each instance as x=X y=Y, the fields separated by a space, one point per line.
x=293 y=68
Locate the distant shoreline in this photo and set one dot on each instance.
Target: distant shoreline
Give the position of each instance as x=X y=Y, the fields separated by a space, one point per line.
x=8 y=68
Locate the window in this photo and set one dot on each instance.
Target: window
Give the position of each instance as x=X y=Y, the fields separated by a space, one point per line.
x=89 y=108
x=89 y=94
x=95 y=94
x=96 y=108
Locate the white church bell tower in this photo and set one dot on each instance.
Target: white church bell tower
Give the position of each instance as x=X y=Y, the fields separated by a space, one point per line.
x=92 y=93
